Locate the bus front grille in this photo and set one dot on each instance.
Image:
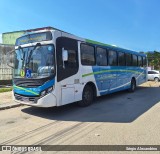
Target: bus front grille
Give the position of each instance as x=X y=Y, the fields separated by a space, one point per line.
x=30 y=99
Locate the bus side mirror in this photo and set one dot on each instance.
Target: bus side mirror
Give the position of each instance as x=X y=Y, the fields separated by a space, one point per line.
x=64 y=56
x=10 y=58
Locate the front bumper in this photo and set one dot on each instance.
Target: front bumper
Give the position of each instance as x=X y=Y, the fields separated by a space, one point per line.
x=48 y=100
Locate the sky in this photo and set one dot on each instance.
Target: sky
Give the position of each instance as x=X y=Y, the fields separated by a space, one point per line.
x=130 y=24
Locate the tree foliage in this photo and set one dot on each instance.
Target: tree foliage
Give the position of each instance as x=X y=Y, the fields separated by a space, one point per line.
x=154 y=59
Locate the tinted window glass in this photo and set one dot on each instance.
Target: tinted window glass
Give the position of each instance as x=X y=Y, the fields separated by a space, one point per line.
x=87 y=55
x=112 y=57
x=101 y=57
x=144 y=62
x=155 y=72
x=152 y=72
x=140 y=61
x=72 y=60
x=128 y=59
x=121 y=59
x=134 y=58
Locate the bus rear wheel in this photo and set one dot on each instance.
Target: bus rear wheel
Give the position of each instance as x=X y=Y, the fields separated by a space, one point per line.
x=133 y=86
x=87 y=97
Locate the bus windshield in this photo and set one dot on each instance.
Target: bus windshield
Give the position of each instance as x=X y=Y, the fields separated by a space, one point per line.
x=34 y=62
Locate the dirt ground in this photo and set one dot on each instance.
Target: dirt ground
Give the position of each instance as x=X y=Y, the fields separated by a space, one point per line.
x=6 y=97
x=121 y=118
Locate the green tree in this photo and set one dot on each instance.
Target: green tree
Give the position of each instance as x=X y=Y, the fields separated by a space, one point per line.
x=154 y=59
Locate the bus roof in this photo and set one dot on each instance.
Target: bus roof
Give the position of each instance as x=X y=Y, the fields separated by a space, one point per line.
x=113 y=47
x=87 y=40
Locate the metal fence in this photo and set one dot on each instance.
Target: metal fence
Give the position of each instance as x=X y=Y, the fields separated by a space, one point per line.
x=5 y=73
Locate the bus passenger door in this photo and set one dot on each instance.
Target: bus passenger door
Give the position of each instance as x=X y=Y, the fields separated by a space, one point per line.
x=67 y=69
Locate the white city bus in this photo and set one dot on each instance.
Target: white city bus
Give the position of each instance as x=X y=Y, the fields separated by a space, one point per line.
x=54 y=68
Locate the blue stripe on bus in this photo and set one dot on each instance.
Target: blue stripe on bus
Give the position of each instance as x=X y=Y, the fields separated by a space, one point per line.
x=33 y=91
x=110 y=79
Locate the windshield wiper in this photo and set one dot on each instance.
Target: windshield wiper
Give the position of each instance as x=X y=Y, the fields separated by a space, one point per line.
x=22 y=55
x=20 y=48
x=31 y=52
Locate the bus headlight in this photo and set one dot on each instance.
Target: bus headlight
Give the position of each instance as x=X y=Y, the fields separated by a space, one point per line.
x=49 y=89
x=43 y=93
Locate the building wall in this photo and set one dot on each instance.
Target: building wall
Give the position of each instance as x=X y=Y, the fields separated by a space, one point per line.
x=10 y=37
x=5 y=70
x=8 y=40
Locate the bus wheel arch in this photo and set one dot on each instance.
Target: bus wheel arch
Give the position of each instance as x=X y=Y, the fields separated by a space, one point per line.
x=88 y=94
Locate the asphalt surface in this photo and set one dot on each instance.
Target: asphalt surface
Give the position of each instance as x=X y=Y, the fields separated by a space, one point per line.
x=121 y=118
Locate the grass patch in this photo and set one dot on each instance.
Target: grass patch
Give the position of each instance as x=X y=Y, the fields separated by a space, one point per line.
x=5 y=90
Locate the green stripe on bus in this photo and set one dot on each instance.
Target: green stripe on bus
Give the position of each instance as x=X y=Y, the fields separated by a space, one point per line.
x=98 y=43
x=100 y=72
x=30 y=91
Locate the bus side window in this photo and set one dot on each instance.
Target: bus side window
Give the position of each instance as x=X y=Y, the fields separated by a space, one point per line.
x=121 y=59
x=101 y=57
x=112 y=58
x=140 y=64
x=87 y=55
x=144 y=62
x=134 y=60
x=128 y=59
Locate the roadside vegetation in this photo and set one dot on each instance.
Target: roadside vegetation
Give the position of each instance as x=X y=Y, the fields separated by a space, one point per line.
x=5 y=89
x=154 y=59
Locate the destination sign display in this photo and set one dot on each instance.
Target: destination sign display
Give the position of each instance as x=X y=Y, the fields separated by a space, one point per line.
x=35 y=37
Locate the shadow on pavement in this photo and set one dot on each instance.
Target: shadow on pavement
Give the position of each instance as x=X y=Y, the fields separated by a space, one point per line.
x=121 y=107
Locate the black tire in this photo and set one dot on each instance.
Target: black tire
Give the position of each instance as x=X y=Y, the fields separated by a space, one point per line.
x=87 y=97
x=133 y=86
x=156 y=79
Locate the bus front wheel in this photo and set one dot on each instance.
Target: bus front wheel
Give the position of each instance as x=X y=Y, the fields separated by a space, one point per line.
x=87 y=97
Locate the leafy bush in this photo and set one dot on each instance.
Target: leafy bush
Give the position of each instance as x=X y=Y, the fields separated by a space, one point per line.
x=5 y=90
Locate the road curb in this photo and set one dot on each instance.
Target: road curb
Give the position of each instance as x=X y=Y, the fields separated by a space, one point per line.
x=9 y=106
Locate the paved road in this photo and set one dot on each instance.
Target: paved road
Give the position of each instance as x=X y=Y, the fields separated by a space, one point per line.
x=118 y=119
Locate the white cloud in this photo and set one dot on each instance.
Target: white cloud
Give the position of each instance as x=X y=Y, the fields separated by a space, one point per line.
x=0 y=38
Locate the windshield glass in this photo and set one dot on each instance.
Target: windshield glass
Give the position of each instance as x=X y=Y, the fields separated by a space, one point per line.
x=34 y=62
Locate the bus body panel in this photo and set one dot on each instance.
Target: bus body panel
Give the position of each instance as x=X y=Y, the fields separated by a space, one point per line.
x=107 y=79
